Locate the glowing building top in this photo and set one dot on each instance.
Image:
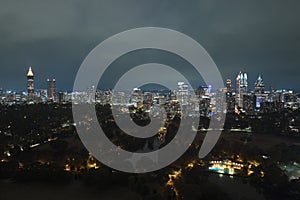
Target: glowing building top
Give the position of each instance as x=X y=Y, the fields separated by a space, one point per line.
x=259 y=86
x=30 y=83
x=30 y=72
x=241 y=88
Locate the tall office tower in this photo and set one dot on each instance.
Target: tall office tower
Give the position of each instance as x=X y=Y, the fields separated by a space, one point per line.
x=230 y=101
x=229 y=96
x=259 y=91
x=229 y=85
x=220 y=100
x=241 y=88
x=259 y=86
x=30 y=82
x=136 y=98
x=51 y=89
x=183 y=93
x=61 y=97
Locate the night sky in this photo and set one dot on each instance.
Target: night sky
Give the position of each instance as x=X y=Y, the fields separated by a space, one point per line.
x=257 y=37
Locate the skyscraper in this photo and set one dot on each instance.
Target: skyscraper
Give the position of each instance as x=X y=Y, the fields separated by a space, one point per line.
x=241 y=88
x=229 y=96
x=259 y=91
x=259 y=86
x=51 y=89
x=183 y=93
x=229 y=85
x=30 y=82
x=136 y=98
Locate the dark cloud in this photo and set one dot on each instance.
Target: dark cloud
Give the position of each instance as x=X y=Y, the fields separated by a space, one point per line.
x=259 y=37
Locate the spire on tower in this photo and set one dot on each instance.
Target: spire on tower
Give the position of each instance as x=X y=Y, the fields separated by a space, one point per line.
x=30 y=72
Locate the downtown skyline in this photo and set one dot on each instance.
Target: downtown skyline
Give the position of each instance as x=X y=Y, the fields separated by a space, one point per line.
x=139 y=99
x=43 y=84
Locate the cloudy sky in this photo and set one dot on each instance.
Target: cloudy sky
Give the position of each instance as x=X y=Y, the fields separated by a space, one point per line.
x=258 y=37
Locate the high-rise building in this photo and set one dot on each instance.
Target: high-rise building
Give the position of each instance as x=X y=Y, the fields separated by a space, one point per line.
x=221 y=100
x=229 y=96
x=241 y=88
x=136 y=98
x=259 y=86
x=30 y=82
x=229 y=85
x=51 y=89
x=204 y=106
x=259 y=91
x=61 y=98
x=183 y=93
x=230 y=101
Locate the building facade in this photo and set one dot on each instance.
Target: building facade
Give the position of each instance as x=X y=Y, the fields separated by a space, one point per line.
x=51 y=89
x=30 y=83
x=241 y=88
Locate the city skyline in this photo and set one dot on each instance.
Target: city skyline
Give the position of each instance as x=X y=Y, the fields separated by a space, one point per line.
x=233 y=97
x=44 y=84
x=163 y=100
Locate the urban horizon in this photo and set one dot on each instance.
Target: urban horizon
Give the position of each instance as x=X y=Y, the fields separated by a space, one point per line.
x=149 y=87
x=150 y=100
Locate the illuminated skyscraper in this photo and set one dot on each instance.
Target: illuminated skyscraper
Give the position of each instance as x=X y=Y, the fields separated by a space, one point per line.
x=241 y=88
x=259 y=86
x=183 y=93
x=229 y=96
x=259 y=91
x=30 y=82
x=51 y=89
x=136 y=98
